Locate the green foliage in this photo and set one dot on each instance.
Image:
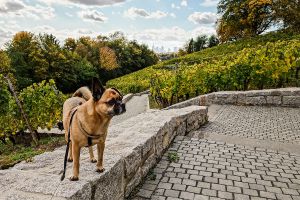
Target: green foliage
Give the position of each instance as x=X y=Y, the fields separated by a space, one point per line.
x=173 y=157
x=267 y=61
x=42 y=103
x=40 y=57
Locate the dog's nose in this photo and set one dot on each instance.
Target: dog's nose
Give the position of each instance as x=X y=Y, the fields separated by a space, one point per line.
x=123 y=107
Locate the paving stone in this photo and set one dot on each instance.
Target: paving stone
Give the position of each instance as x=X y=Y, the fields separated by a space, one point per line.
x=175 y=180
x=289 y=191
x=233 y=189
x=189 y=182
x=268 y=195
x=193 y=189
x=218 y=187
x=209 y=192
x=241 y=197
x=201 y=197
x=225 y=195
x=179 y=187
x=283 y=197
x=187 y=195
x=171 y=193
x=203 y=185
x=225 y=182
x=250 y=192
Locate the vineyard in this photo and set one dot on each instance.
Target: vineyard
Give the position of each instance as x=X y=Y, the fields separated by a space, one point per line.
x=268 y=61
x=42 y=103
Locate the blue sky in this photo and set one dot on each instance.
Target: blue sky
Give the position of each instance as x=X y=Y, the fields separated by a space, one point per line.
x=158 y=23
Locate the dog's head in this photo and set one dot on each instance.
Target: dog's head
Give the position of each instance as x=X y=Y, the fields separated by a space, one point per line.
x=107 y=101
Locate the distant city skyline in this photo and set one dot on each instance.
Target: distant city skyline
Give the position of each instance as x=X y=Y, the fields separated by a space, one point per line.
x=157 y=23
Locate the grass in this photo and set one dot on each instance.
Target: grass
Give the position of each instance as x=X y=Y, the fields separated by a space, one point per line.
x=173 y=157
x=12 y=154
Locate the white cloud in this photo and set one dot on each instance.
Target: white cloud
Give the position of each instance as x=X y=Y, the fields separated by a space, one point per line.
x=184 y=3
x=174 y=6
x=17 y=8
x=203 y=17
x=84 y=3
x=92 y=15
x=11 y=6
x=173 y=15
x=209 y=3
x=169 y=37
x=133 y=13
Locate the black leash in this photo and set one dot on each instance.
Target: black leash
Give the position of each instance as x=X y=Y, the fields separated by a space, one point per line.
x=67 y=149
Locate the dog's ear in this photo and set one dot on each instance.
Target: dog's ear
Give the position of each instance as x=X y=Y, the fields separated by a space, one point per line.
x=97 y=89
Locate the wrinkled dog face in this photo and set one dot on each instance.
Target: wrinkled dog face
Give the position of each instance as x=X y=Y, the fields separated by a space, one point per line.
x=108 y=101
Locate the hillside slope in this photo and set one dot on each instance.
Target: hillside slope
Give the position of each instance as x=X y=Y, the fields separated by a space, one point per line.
x=267 y=61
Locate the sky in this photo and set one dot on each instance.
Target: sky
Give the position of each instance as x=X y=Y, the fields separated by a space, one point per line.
x=166 y=24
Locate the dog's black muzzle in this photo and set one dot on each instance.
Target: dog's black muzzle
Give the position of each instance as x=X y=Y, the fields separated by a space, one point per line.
x=119 y=108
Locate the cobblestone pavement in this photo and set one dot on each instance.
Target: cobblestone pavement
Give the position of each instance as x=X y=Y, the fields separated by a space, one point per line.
x=264 y=123
x=209 y=169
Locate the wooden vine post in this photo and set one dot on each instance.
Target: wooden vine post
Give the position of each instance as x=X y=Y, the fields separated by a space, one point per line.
x=11 y=87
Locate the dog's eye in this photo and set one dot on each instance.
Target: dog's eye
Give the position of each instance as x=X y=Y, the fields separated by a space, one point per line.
x=111 y=102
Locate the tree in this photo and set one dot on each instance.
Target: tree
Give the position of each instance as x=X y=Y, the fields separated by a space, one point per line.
x=212 y=41
x=190 y=46
x=108 y=60
x=288 y=12
x=70 y=44
x=243 y=18
x=19 y=51
x=200 y=43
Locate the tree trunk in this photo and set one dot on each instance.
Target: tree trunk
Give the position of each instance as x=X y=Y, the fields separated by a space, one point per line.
x=11 y=87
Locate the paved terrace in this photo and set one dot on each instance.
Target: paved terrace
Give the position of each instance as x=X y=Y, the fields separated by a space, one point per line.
x=244 y=152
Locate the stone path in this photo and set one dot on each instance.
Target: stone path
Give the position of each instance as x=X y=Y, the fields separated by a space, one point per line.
x=135 y=106
x=242 y=153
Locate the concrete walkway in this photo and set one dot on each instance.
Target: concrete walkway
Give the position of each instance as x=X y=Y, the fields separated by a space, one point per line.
x=242 y=153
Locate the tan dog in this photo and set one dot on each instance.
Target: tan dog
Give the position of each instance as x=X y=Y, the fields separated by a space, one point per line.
x=90 y=121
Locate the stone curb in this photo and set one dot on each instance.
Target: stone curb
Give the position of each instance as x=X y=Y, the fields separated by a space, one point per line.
x=285 y=97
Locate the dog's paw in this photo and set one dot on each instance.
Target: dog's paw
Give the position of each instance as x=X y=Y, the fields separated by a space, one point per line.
x=100 y=170
x=74 y=178
x=93 y=160
x=70 y=159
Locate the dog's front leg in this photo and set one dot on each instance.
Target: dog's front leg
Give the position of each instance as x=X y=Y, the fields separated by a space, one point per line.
x=76 y=157
x=92 y=157
x=100 y=150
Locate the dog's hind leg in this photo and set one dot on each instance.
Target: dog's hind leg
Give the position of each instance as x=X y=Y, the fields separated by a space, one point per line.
x=70 y=157
x=76 y=157
x=100 y=150
x=92 y=157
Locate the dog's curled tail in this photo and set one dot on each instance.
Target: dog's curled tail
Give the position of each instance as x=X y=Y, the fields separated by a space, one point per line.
x=84 y=93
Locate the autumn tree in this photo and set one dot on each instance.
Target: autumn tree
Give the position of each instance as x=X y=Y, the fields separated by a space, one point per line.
x=243 y=18
x=107 y=58
x=287 y=12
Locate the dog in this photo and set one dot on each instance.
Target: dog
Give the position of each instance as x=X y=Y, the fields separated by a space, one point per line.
x=86 y=117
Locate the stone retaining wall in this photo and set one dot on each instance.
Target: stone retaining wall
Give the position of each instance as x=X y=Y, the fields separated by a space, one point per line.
x=132 y=148
x=286 y=97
